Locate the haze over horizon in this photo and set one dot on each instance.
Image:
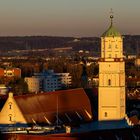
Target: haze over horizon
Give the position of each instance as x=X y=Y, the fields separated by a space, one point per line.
x=67 y=17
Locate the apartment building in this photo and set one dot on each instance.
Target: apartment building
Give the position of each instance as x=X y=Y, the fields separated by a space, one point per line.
x=48 y=81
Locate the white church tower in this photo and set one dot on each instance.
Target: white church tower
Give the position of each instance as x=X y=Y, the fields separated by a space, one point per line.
x=111 y=100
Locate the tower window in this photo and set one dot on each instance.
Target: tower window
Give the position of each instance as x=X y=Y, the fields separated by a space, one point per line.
x=105 y=114
x=109 y=55
x=109 y=82
x=109 y=46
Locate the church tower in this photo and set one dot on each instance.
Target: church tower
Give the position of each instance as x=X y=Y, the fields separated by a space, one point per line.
x=111 y=100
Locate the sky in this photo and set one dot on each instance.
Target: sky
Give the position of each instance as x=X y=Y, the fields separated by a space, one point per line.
x=79 y=18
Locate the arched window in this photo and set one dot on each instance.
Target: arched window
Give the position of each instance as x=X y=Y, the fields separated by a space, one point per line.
x=109 y=82
x=10 y=105
x=10 y=117
x=105 y=114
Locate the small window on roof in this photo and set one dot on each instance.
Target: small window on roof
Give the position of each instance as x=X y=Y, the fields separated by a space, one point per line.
x=10 y=105
x=10 y=117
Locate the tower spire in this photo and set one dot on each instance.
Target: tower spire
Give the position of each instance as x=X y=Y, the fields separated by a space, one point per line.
x=111 y=16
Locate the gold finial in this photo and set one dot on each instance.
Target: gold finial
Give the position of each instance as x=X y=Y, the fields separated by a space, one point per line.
x=111 y=15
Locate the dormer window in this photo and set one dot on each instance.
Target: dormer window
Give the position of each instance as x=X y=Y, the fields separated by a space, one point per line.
x=10 y=105
x=10 y=117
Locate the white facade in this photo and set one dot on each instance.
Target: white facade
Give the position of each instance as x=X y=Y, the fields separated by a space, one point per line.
x=3 y=89
x=65 y=78
x=33 y=84
x=55 y=81
x=48 y=81
x=111 y=100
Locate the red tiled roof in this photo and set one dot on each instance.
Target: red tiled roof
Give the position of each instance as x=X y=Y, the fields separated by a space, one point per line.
x=133 y=79
x=70 y=105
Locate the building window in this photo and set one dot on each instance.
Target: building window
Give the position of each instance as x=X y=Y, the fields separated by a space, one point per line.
x=10 y=105
x=109 y=82
x=105 y=114
x=109 y=46
x=115 y=55
x=109 y=55
x=10 y=117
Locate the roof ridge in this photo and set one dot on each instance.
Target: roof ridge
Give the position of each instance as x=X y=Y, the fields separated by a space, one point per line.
x=48 y=93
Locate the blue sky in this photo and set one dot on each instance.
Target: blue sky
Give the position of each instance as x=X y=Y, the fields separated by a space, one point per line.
x=67 y=17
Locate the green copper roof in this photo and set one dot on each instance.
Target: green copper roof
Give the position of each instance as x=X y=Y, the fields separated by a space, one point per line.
x=111 y=32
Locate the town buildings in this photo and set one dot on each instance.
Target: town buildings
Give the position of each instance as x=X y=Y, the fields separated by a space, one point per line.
x=75 y=105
